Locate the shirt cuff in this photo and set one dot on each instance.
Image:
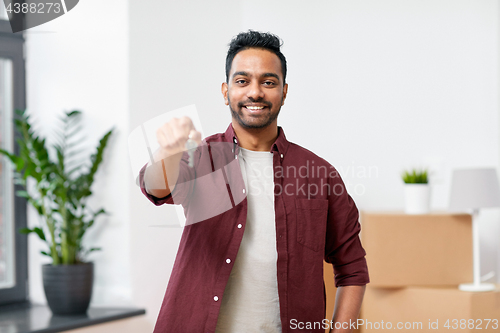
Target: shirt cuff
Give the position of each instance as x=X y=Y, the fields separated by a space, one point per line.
x=352 y=274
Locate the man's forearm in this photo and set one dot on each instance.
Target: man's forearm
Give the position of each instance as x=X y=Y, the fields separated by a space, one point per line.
x=347 y=305
x=161 y=176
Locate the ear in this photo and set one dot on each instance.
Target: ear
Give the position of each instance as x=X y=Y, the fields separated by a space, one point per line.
x=224 y=92
x=285 y=91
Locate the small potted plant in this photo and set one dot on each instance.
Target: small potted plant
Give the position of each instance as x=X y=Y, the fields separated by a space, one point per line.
x=417 y=191
x=58 y=190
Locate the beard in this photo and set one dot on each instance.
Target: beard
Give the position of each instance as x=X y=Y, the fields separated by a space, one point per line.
x=254 y=122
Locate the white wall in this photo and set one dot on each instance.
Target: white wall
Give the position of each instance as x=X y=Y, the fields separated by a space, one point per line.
x=80 y=61
x=387 y=84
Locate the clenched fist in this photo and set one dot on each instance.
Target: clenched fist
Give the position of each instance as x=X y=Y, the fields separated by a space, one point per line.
x=161 y=176
x=172 y=136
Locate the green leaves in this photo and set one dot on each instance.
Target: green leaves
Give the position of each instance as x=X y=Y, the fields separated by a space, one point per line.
x=36 y=230
x=415 y=177
x=85 y=180
x=59 y=196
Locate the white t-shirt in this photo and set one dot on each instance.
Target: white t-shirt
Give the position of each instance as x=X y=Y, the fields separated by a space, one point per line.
x=250 y=302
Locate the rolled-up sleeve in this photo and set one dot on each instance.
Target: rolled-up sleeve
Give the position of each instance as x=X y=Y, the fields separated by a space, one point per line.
x=343 y=247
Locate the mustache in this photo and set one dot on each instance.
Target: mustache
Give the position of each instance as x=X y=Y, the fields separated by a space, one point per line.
x=251 y=100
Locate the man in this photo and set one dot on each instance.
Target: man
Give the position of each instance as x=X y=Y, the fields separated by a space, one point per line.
x=255 y=264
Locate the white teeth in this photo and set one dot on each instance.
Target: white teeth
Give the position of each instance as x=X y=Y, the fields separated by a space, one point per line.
x=254 y=107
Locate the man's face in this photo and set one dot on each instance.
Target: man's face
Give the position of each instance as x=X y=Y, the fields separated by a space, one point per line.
x=255 y=91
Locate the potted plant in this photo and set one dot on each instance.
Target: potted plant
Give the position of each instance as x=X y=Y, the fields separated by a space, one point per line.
x=417 y=191
x=58 y=189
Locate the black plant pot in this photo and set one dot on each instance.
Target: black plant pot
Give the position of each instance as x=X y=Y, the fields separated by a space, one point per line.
x=68 y=288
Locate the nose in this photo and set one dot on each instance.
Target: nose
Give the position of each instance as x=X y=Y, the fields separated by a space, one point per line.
x=255 y=91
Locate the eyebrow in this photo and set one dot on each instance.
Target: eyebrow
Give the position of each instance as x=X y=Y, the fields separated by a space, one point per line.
x=243 y=73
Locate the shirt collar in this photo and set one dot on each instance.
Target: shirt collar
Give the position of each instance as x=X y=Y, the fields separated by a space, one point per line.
x=280 y=145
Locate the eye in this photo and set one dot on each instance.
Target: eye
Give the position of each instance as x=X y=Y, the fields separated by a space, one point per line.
x=240 y=81
x=269 y=83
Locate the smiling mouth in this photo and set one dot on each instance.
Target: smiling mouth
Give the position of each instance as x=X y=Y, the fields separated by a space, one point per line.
x=254 y=108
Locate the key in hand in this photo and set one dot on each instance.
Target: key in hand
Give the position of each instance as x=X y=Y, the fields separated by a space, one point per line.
x=190 y=147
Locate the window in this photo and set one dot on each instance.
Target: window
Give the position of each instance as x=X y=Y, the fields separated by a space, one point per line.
x=7 y=273
x=13 y=246
x=3 y=13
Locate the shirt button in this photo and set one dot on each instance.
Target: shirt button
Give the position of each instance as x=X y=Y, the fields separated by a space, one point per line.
x=228 y=260
x=235 y=157
x=239 y=226
x=234 y=140
x=216 y=298
x=243 y=190
x=281 y=155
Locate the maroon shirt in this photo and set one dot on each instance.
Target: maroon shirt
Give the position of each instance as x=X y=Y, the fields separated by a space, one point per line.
x=316 y=220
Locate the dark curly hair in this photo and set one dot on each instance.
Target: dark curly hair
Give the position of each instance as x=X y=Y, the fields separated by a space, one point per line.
x=255 y=39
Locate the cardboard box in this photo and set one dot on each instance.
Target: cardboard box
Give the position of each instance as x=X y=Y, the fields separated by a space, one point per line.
x=425 y=309
x=417 y=250
x=330 y=289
